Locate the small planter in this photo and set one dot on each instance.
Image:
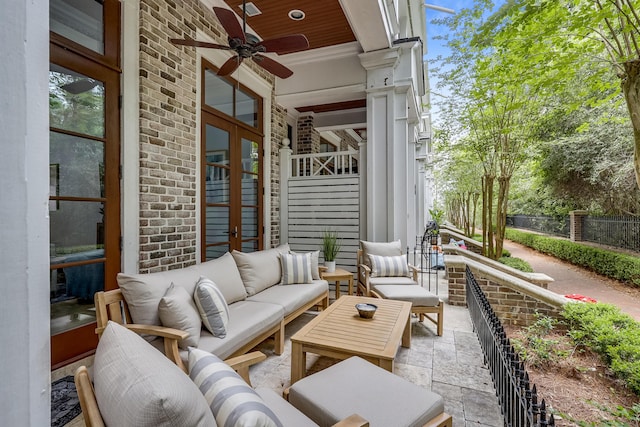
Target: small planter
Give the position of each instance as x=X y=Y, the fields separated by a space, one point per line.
x=331 y=266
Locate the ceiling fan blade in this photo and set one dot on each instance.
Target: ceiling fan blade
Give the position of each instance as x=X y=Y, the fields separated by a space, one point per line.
x=285 y=44
x=272 y=66
x=230 y=23
x=230 y=66
x=196 y=43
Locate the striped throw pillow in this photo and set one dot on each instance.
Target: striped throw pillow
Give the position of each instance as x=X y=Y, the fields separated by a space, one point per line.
x=212 y=307
x=231 y=400
x=389 y=266
x=296 y=268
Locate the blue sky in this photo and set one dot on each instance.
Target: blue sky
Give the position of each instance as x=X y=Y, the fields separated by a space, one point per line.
x=437 y=47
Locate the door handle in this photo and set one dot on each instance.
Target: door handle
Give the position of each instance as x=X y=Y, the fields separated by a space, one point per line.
x=234 y=233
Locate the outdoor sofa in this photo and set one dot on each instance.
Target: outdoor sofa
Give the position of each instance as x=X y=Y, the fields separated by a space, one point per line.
x=258 y=306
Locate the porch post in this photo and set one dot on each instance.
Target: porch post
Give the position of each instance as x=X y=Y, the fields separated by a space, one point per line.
x=362 y=181
x=24 y=172
x=285 y=173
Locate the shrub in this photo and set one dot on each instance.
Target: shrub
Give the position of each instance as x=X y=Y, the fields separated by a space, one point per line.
x=610 y=333
x=619 y=266
x=516 y=263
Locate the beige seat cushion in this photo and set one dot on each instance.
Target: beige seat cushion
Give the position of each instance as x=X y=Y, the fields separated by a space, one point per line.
x=292 y=297
x=136 y=385
x=357 y=386
x=379 y=248
x=416 y=294
x=377 y=281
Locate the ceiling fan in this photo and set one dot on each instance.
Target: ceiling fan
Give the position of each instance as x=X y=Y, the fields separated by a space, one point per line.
x=248 y=46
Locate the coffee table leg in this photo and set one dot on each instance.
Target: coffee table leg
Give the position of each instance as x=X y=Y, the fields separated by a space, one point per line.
x=386 y=364
x=298 y=362
x=406 y=335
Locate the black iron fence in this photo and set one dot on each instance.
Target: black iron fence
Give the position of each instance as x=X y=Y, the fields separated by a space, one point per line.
x=617 y=231
x=518 y=398
x=541 y=223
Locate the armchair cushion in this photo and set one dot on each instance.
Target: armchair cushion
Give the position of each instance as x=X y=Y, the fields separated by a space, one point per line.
x=130 y=391
x=296 y=268
x=232 y=401
x=177 y=310
x=379 y=248
x=388 y=266
x=376 y=281
x=212 y=307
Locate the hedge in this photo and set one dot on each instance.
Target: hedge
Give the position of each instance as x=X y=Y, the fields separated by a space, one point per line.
x=618 y=266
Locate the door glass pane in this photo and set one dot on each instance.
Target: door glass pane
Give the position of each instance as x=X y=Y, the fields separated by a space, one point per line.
x=76 y=166
x=75 y=226
x=218 y=93
x=217 y=224
x=249 y=189
x=217 y=146
x=76 y=102
x=250 y=156
x=217 y=184
x=249 y=223
x=246 y=108
x=250 y=246
x=214 y=252
x=80 y=21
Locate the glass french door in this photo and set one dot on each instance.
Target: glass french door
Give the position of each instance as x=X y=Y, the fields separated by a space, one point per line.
x=232 y=188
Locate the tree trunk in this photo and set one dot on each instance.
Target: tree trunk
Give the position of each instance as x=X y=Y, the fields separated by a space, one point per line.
x=631 y=90
x=487 y=216
x=501 y=213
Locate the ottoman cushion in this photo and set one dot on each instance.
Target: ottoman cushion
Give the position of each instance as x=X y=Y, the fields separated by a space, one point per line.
x=357 y=386
x=419 y=296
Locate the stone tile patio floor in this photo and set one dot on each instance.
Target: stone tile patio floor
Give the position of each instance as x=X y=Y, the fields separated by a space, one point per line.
x=451 y=365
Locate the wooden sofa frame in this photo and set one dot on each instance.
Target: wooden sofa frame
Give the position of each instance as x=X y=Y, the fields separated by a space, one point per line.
x=364 y=288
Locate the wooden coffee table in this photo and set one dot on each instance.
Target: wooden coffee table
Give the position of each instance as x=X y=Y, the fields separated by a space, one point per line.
x=338 y=332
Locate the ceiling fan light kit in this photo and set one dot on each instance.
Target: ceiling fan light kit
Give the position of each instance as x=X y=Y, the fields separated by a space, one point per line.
x=248 y=46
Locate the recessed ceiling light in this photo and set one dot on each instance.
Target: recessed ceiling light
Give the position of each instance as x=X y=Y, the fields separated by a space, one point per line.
x=296 y=15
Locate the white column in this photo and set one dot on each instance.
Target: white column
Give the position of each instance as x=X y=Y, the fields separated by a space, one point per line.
x=285 y=174
x=24 y=215
x=362 y=176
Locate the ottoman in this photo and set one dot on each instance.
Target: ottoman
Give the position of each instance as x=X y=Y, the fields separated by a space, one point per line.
x=355 y=386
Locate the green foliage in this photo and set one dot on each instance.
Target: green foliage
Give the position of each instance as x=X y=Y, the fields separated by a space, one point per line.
x=536 y=348
x=616 y=417
x=516 y=263
x=437 y=215
x=330 y=245
x=618 y=266
x=610 y=333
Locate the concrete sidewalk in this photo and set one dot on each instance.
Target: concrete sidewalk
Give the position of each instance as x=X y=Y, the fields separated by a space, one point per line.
x=451 y=365
x=569 y=279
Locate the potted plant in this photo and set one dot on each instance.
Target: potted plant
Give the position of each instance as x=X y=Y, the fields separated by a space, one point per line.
x=330 y=248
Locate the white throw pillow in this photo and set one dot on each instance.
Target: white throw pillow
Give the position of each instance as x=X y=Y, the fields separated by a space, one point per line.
x=296 y=268
x=137 y=385
x=231 y=400
x=177 y=310
x=389 y=266
x=212 y=306
x=315 y=269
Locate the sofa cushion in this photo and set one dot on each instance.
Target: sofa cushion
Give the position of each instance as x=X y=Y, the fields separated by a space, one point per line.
x=376 y=281
x=315 y=264
x=379 y=248
x=355 y=386
x=143 y=292
x=292 y=297
x=388 y=266
x=285 y=412
x=247 y=321
x=296 y=268
x=260 y=269
x=224 y=273
x=416 y=294
x=212 y=307
x=231 y=400
x=130 y=391
x=177 y=310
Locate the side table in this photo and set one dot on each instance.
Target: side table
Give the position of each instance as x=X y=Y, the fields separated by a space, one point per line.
x=337 y=276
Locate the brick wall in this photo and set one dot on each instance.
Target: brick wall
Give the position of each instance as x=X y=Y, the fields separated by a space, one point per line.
x=347 y=142
x=308 y=137
x=168 y=132
x=511 y=307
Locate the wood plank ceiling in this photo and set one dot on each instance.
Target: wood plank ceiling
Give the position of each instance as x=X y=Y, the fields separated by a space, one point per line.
x=324 y=23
